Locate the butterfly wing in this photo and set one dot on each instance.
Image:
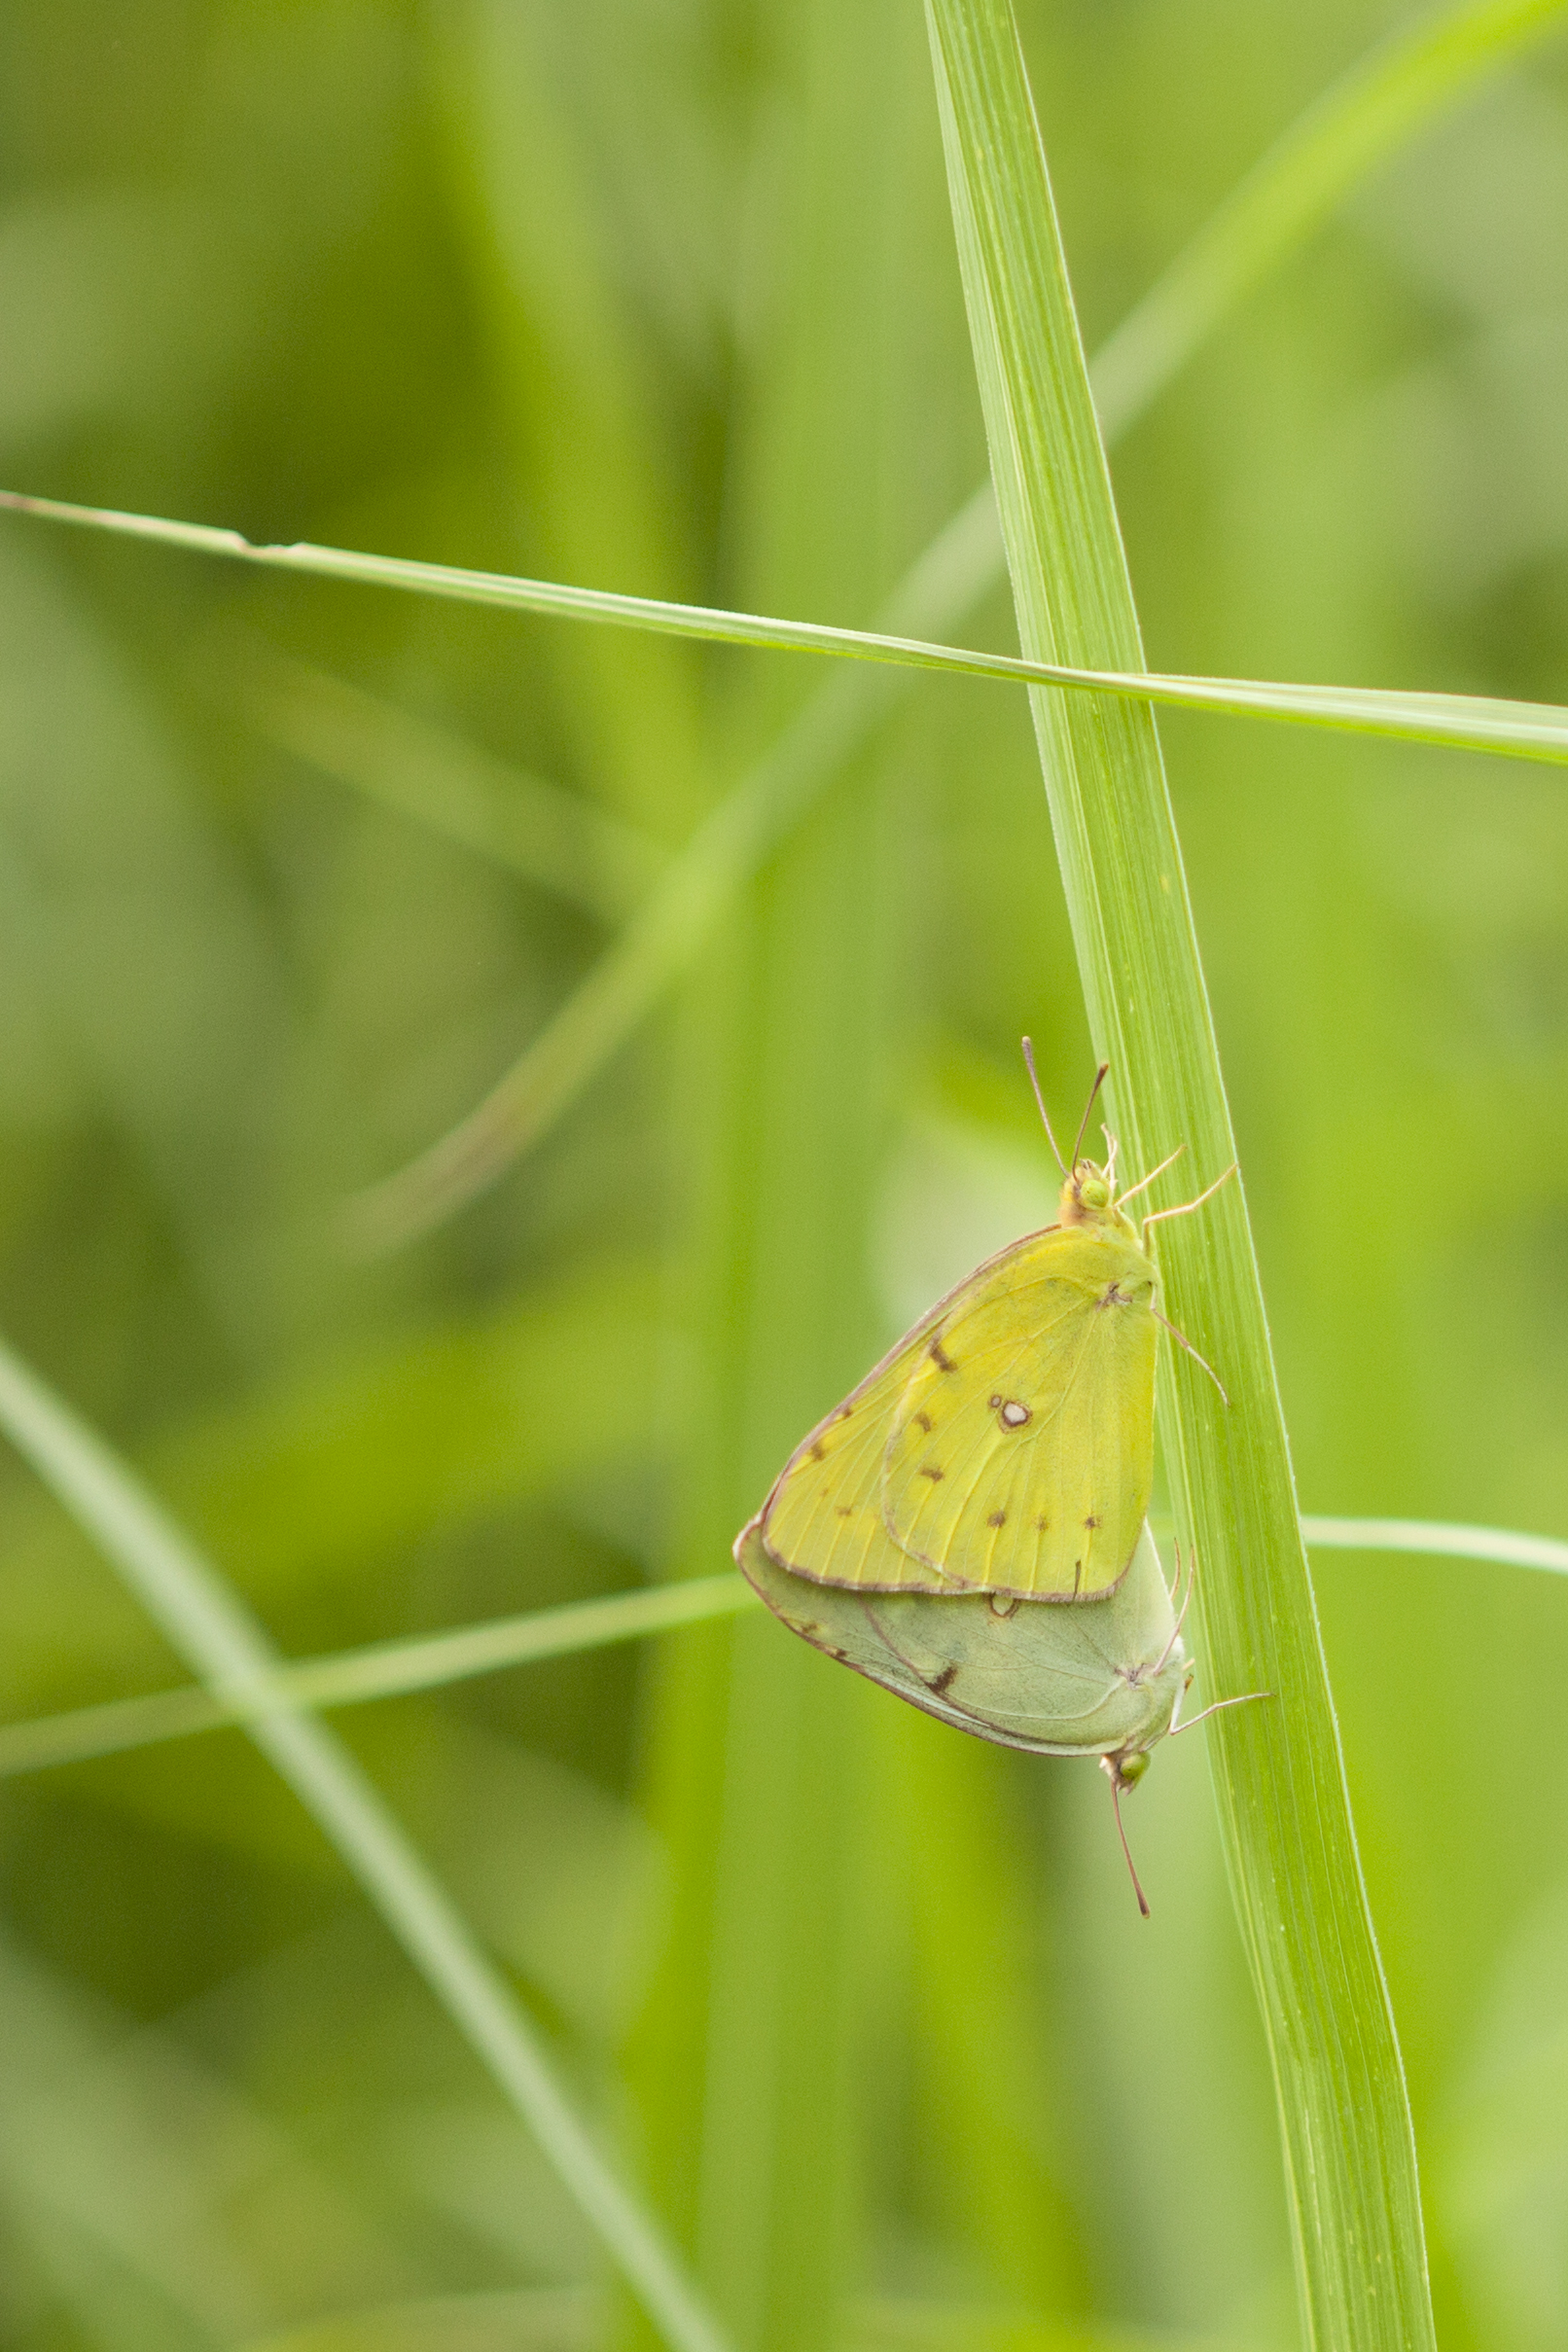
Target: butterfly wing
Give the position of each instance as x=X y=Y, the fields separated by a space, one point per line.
x=823 y=1516
x=1064 y=1682
x=1005 y=1445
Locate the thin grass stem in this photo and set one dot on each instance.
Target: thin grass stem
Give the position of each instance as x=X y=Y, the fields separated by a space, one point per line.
x=1408 y=79
x=394 y=1669
x=1524 y=730
x=381 y=1670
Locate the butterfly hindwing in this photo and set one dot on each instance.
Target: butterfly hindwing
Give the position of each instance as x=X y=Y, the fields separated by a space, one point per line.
x=1064 y=1682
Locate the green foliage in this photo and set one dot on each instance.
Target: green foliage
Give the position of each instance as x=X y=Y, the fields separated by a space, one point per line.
x=662 y=299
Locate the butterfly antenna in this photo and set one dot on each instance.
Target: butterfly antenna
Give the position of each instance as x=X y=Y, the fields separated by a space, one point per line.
x=1040 y=1104
x=1100 y=1077
x=1108 y=1770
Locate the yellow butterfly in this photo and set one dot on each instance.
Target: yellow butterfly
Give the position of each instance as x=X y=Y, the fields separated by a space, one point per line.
x=1006 y=1445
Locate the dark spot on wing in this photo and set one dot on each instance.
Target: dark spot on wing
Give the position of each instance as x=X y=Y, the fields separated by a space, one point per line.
x=929 y=1470
x=816 y=1450
x=940 y=1357
x=940 y=1683
x=1091 y=1521
x=998 y=1519
x=923 y=1421
x=1042 y=1524
x=846 y=1511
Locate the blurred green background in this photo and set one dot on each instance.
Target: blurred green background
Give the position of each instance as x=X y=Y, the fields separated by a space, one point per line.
x=660 y=295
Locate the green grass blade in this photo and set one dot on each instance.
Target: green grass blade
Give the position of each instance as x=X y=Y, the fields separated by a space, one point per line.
x=1350 y=2159
x=1366 y=116
x=383 y=1670
x=1525 y=731
x=1440 y=1538
x=678 y=917
x=491 y=806
x=392 y=1669
x=749 y=2059
x=579 y=417
x=216 y=1634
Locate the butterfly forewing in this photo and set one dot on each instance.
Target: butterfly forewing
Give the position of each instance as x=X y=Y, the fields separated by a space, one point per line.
x=1005 y=1447
x=824 y=1518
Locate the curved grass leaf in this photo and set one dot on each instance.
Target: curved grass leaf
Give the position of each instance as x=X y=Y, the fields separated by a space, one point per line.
x=1524 y=730
x=223 y=1642
x=382 y=1671
x=392 y=1669
x=1440 y=1538
x=1353 y=127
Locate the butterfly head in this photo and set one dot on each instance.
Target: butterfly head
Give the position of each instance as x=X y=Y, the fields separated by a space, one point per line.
x=1088 y=1197
x=1125 y=1768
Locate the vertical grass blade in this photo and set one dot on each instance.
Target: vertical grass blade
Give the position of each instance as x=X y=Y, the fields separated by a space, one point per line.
x=1279 y=1778
x=223 y=1643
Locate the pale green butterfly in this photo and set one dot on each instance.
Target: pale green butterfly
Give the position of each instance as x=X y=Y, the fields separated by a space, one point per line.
x=1106 y=1678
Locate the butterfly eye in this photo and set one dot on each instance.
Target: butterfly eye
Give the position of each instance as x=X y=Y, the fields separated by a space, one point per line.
x=1094 y=1192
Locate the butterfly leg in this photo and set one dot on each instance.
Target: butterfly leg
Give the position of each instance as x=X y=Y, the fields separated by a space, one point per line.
x=1216 y=1707
x=1176 y=1629
x=1144 y=1181
x=1185 y=1208
x=1183 y=1339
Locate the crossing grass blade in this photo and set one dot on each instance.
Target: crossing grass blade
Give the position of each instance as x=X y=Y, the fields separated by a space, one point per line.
x=1296 y=1875
x=209 y=1626
x=1523 y=731
x=383 y=1670
x=433 y=1662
